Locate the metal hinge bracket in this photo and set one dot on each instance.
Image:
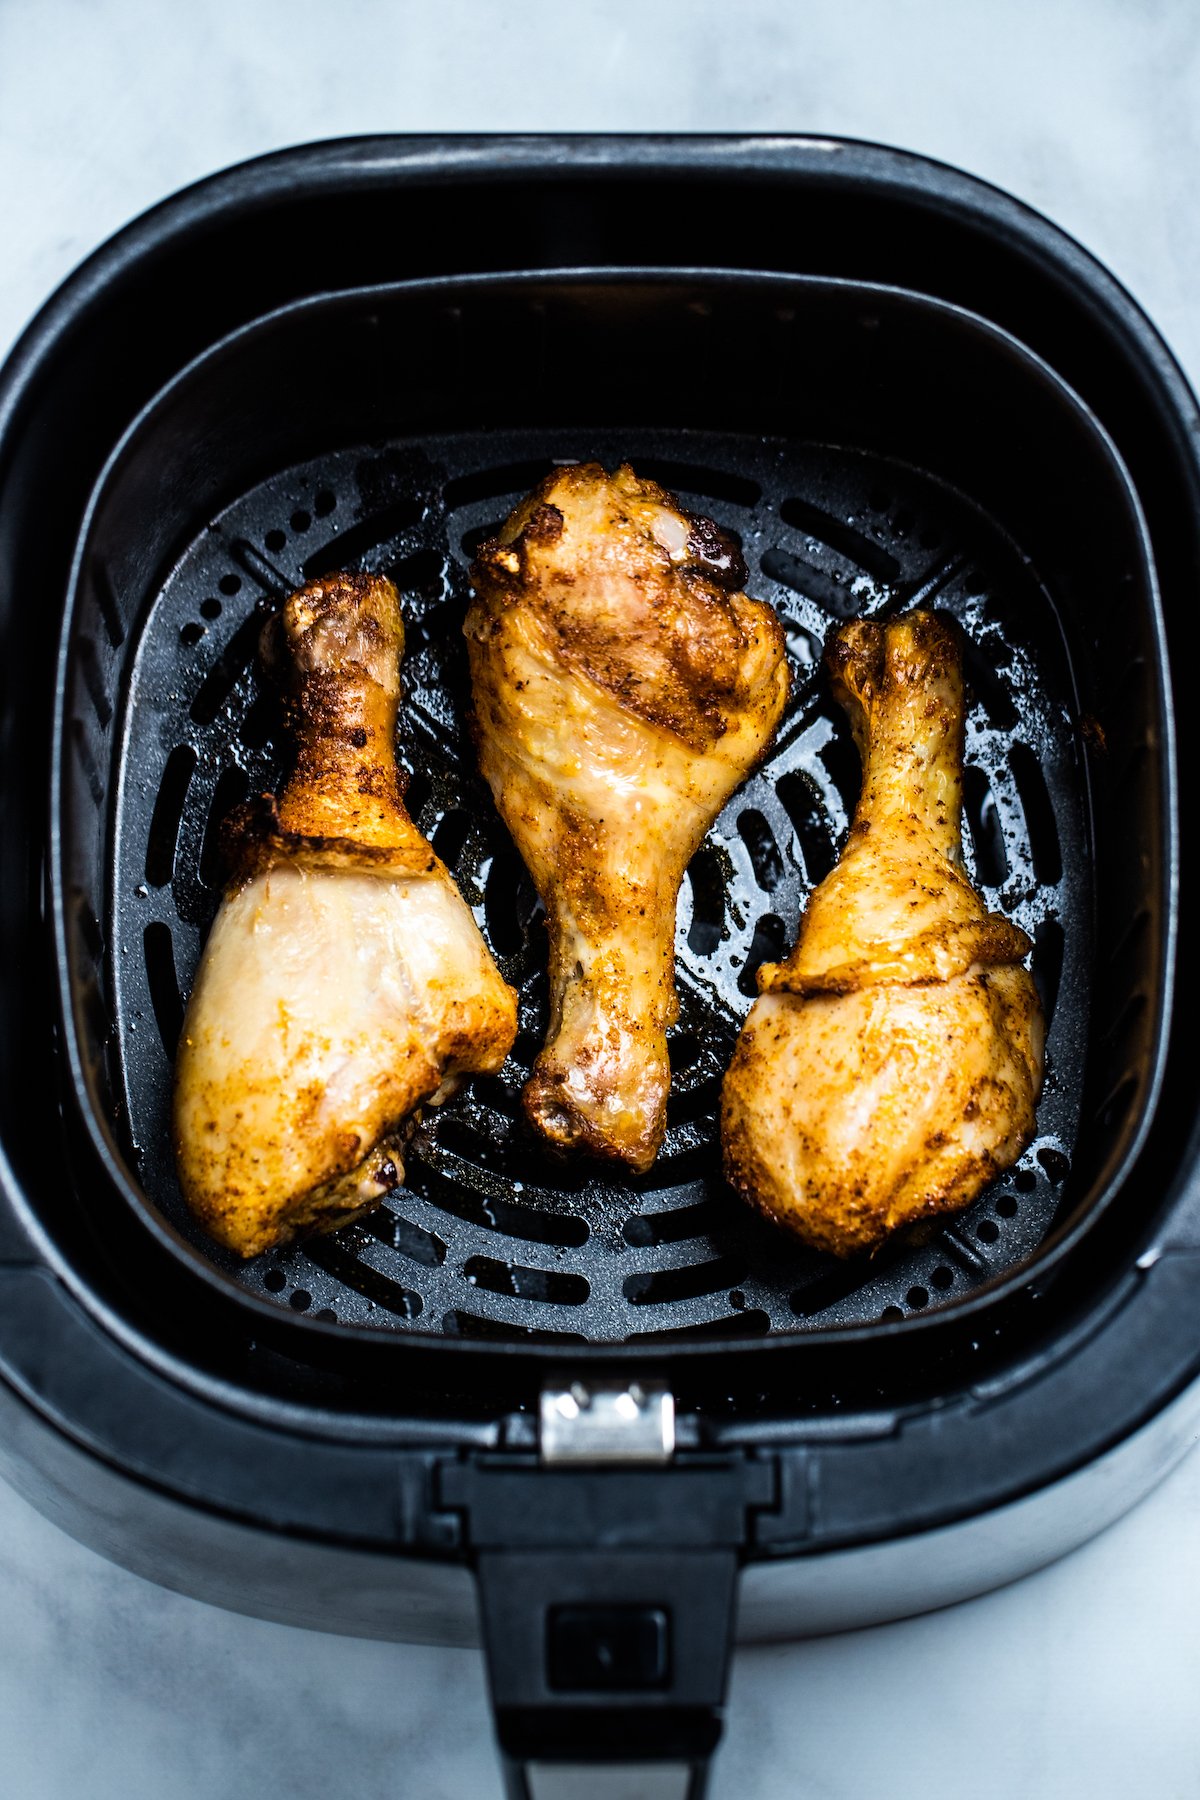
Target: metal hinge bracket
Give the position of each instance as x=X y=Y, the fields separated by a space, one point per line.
x=607 y=1423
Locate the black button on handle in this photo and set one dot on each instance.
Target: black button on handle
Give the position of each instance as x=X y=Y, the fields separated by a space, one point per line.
x=607 y=1649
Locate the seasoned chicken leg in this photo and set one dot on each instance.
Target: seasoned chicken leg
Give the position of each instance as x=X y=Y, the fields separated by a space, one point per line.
x=344 y=982
x=623 y=687
x=892 y=1064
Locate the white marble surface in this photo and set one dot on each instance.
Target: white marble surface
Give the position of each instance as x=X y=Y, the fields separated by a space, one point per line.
x=1081 y=1680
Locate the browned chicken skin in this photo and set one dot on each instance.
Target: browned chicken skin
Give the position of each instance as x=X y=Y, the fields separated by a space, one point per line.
x=891 y=1066
x=344 y=982
x=623 y=688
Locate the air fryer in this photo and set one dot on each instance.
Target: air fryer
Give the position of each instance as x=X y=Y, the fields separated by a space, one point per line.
x=619 y=1410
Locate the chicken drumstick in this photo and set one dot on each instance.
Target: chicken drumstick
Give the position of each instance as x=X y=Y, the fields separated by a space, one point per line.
x=892 y=1063
x=623 y=688
x=344 y=981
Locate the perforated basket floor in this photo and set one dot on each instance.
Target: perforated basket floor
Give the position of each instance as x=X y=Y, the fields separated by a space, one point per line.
x=490 y=1235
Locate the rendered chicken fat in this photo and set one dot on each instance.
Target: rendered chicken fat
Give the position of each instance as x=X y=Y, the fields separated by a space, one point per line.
x=344 y=983
x=893 y=1062
x=623 y=688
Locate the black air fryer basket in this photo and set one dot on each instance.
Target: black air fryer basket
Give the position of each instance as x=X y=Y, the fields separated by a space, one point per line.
x=618 y=1402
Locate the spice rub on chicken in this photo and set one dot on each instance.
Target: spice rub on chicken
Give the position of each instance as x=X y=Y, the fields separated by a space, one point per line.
x=624 y=686
x=344 y=982
x=892 y=1064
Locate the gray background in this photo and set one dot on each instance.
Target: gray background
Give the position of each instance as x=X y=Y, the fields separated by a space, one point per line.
x=1082 y=1680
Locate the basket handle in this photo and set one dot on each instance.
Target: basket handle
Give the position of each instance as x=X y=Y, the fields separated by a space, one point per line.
x=607 y=1669
x=607 y=1560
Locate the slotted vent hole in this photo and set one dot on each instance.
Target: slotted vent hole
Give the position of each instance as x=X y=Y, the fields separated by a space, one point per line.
x=231 y=787
x=163 y=982
x=228 y=669
x=509 y=901
x=804 y=646
x=687 y=1105
x=644 y=1231
x=401 y=1234
x=824 y=1290
x=260 y=721
x=1048 y=948
x=769 y=944
x=989 y=689
x=987 y=831
x=835 y=597
x=841 y=760
x=684 y=1050
x=351 y=547
x=706 y=874
x=550 y=1287
x=167 y=815
x=417 y=795
x=693 y=479
x=364 y=1279
x=420 y=575
x=759 y=840
x=494 y=483
x=449 y=840
x=802 y=802
x=1039 y=815
x=510 y=1218
x=864 y=552
x=658 y=1287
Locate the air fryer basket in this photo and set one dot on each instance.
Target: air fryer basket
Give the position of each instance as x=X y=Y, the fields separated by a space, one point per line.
x=873 y=450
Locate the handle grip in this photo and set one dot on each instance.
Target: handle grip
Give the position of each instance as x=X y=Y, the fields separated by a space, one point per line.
x=607 y=1669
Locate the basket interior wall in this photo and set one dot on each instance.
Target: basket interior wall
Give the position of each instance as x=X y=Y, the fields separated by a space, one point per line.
x=870 y=451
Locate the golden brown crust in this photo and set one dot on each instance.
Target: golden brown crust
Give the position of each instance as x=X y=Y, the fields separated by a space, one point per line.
x=569 y=550
x=848 y=1116
x=298 y=1169
x=937 y=954
x=335 y=649
x=899 y=905
x=891 y=1067
x=253 y=841
x=344 y=983
x=622 y=689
